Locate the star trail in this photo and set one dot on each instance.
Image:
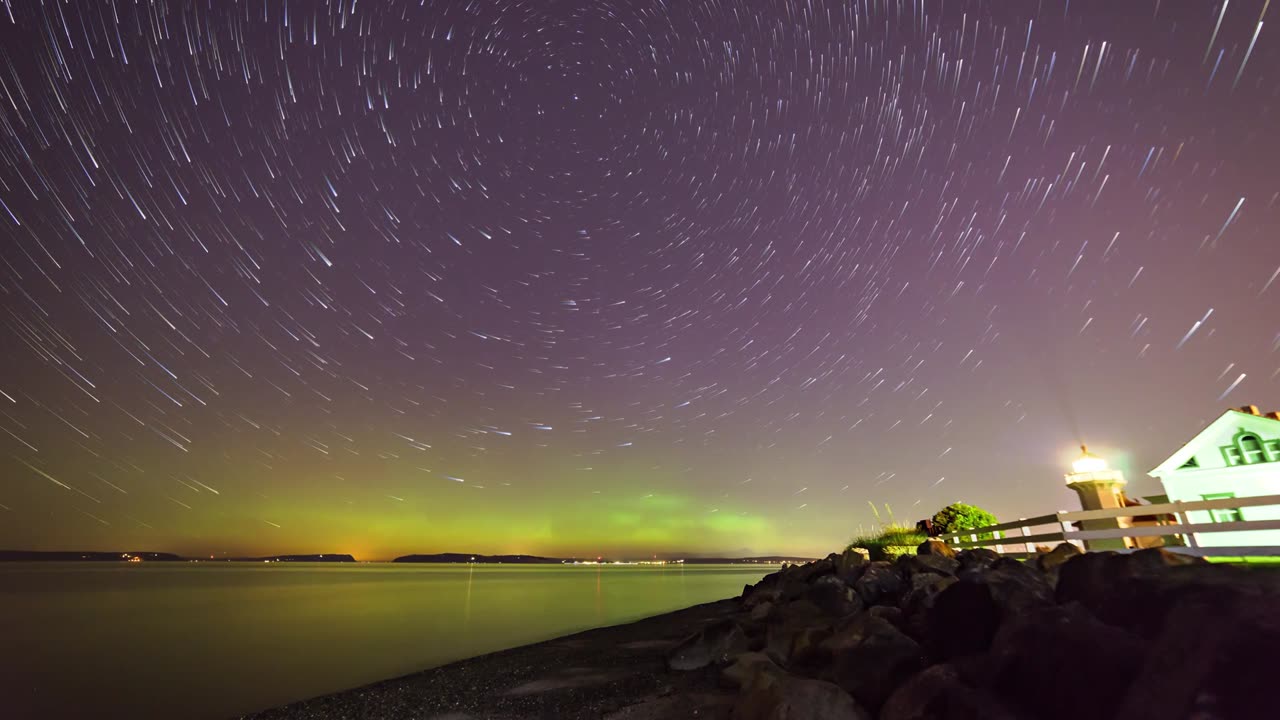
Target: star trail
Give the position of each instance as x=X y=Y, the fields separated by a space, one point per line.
x=606 y=276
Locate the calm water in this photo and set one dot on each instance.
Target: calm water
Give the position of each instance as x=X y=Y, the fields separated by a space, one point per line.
x=187 y=640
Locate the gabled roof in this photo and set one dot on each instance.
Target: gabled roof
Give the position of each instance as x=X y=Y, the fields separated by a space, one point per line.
x=1230 y=418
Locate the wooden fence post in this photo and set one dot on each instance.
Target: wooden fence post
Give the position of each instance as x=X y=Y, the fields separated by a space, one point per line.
x=1062 y=524
x=1185 y=519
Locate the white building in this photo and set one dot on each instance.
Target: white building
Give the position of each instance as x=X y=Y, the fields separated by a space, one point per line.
x=1237 y=455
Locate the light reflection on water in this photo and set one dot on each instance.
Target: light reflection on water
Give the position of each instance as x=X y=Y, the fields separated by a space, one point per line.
x=212 y=640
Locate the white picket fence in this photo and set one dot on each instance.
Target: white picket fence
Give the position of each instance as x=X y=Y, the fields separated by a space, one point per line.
x=1029 y=532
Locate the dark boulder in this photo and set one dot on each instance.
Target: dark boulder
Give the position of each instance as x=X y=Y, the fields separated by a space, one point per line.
x=796 y=579
x=938 y=693
x=870 y=658
x=760 y=595
x=713 y=644
x=851 y=565
x=962 y=621
x=792 y=588
x=767 y=581
x=786 y=697
x=1050 y=561
x=921 y=582
x=918 y=602
x=778 y=639
x=934 y=546
x=801 y=611
x=854 y=631
x=977 y=558
x=1015 y=586
x=810 y=571
x=834 y=596
x=880 y=583
x=1214 y=655
x=764 y=591
x=889 y=613
x=807 y=649
x=1127 y=589
x=964 y=617
x=1089 y=578
x=762 y=611
x=1059 y=662
x=742 y=672
x=1155 y=560
x=910 y=565
x=788 y=623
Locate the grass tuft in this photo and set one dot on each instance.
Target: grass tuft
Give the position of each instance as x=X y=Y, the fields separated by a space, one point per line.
x=890 y=542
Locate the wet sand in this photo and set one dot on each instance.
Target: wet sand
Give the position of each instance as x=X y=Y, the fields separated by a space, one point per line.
x=617 y=673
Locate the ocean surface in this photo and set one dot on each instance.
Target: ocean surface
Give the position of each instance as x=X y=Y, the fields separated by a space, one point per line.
x=214 y=640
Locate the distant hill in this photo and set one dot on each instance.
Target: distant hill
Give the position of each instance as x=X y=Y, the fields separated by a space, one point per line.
x=320 y=558
x=778 y=559
x=470 y=558
x=84 y=556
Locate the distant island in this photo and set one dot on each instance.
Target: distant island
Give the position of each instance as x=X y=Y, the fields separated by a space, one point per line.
x=85 y=556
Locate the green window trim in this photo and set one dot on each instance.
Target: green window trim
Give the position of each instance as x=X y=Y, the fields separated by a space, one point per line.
x=1224 y=514
x=1248 y=448
x=1231 y=455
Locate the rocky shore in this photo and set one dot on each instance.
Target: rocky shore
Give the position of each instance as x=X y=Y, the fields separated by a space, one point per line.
x=951 y=636
x=937 y=635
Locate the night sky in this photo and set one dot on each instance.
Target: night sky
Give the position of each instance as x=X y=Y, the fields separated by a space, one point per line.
x=616 y=276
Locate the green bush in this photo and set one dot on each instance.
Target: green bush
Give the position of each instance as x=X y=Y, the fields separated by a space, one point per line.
x=891 y=542
x=957 y=517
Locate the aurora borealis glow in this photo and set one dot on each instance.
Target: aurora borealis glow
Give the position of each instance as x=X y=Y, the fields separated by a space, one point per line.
x=618 y=276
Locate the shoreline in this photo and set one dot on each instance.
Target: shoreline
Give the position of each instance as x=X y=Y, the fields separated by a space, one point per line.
x=617 y=672
x=939 y=635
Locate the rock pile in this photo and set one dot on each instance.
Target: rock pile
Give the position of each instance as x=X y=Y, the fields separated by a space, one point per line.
x=946 y=635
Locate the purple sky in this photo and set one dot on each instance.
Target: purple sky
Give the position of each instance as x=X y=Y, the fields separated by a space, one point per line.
x=616 y=276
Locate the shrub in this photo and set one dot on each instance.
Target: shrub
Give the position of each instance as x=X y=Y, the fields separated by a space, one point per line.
x=959 y=516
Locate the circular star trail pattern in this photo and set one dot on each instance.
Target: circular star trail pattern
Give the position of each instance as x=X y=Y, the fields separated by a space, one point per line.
x=616 y=276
